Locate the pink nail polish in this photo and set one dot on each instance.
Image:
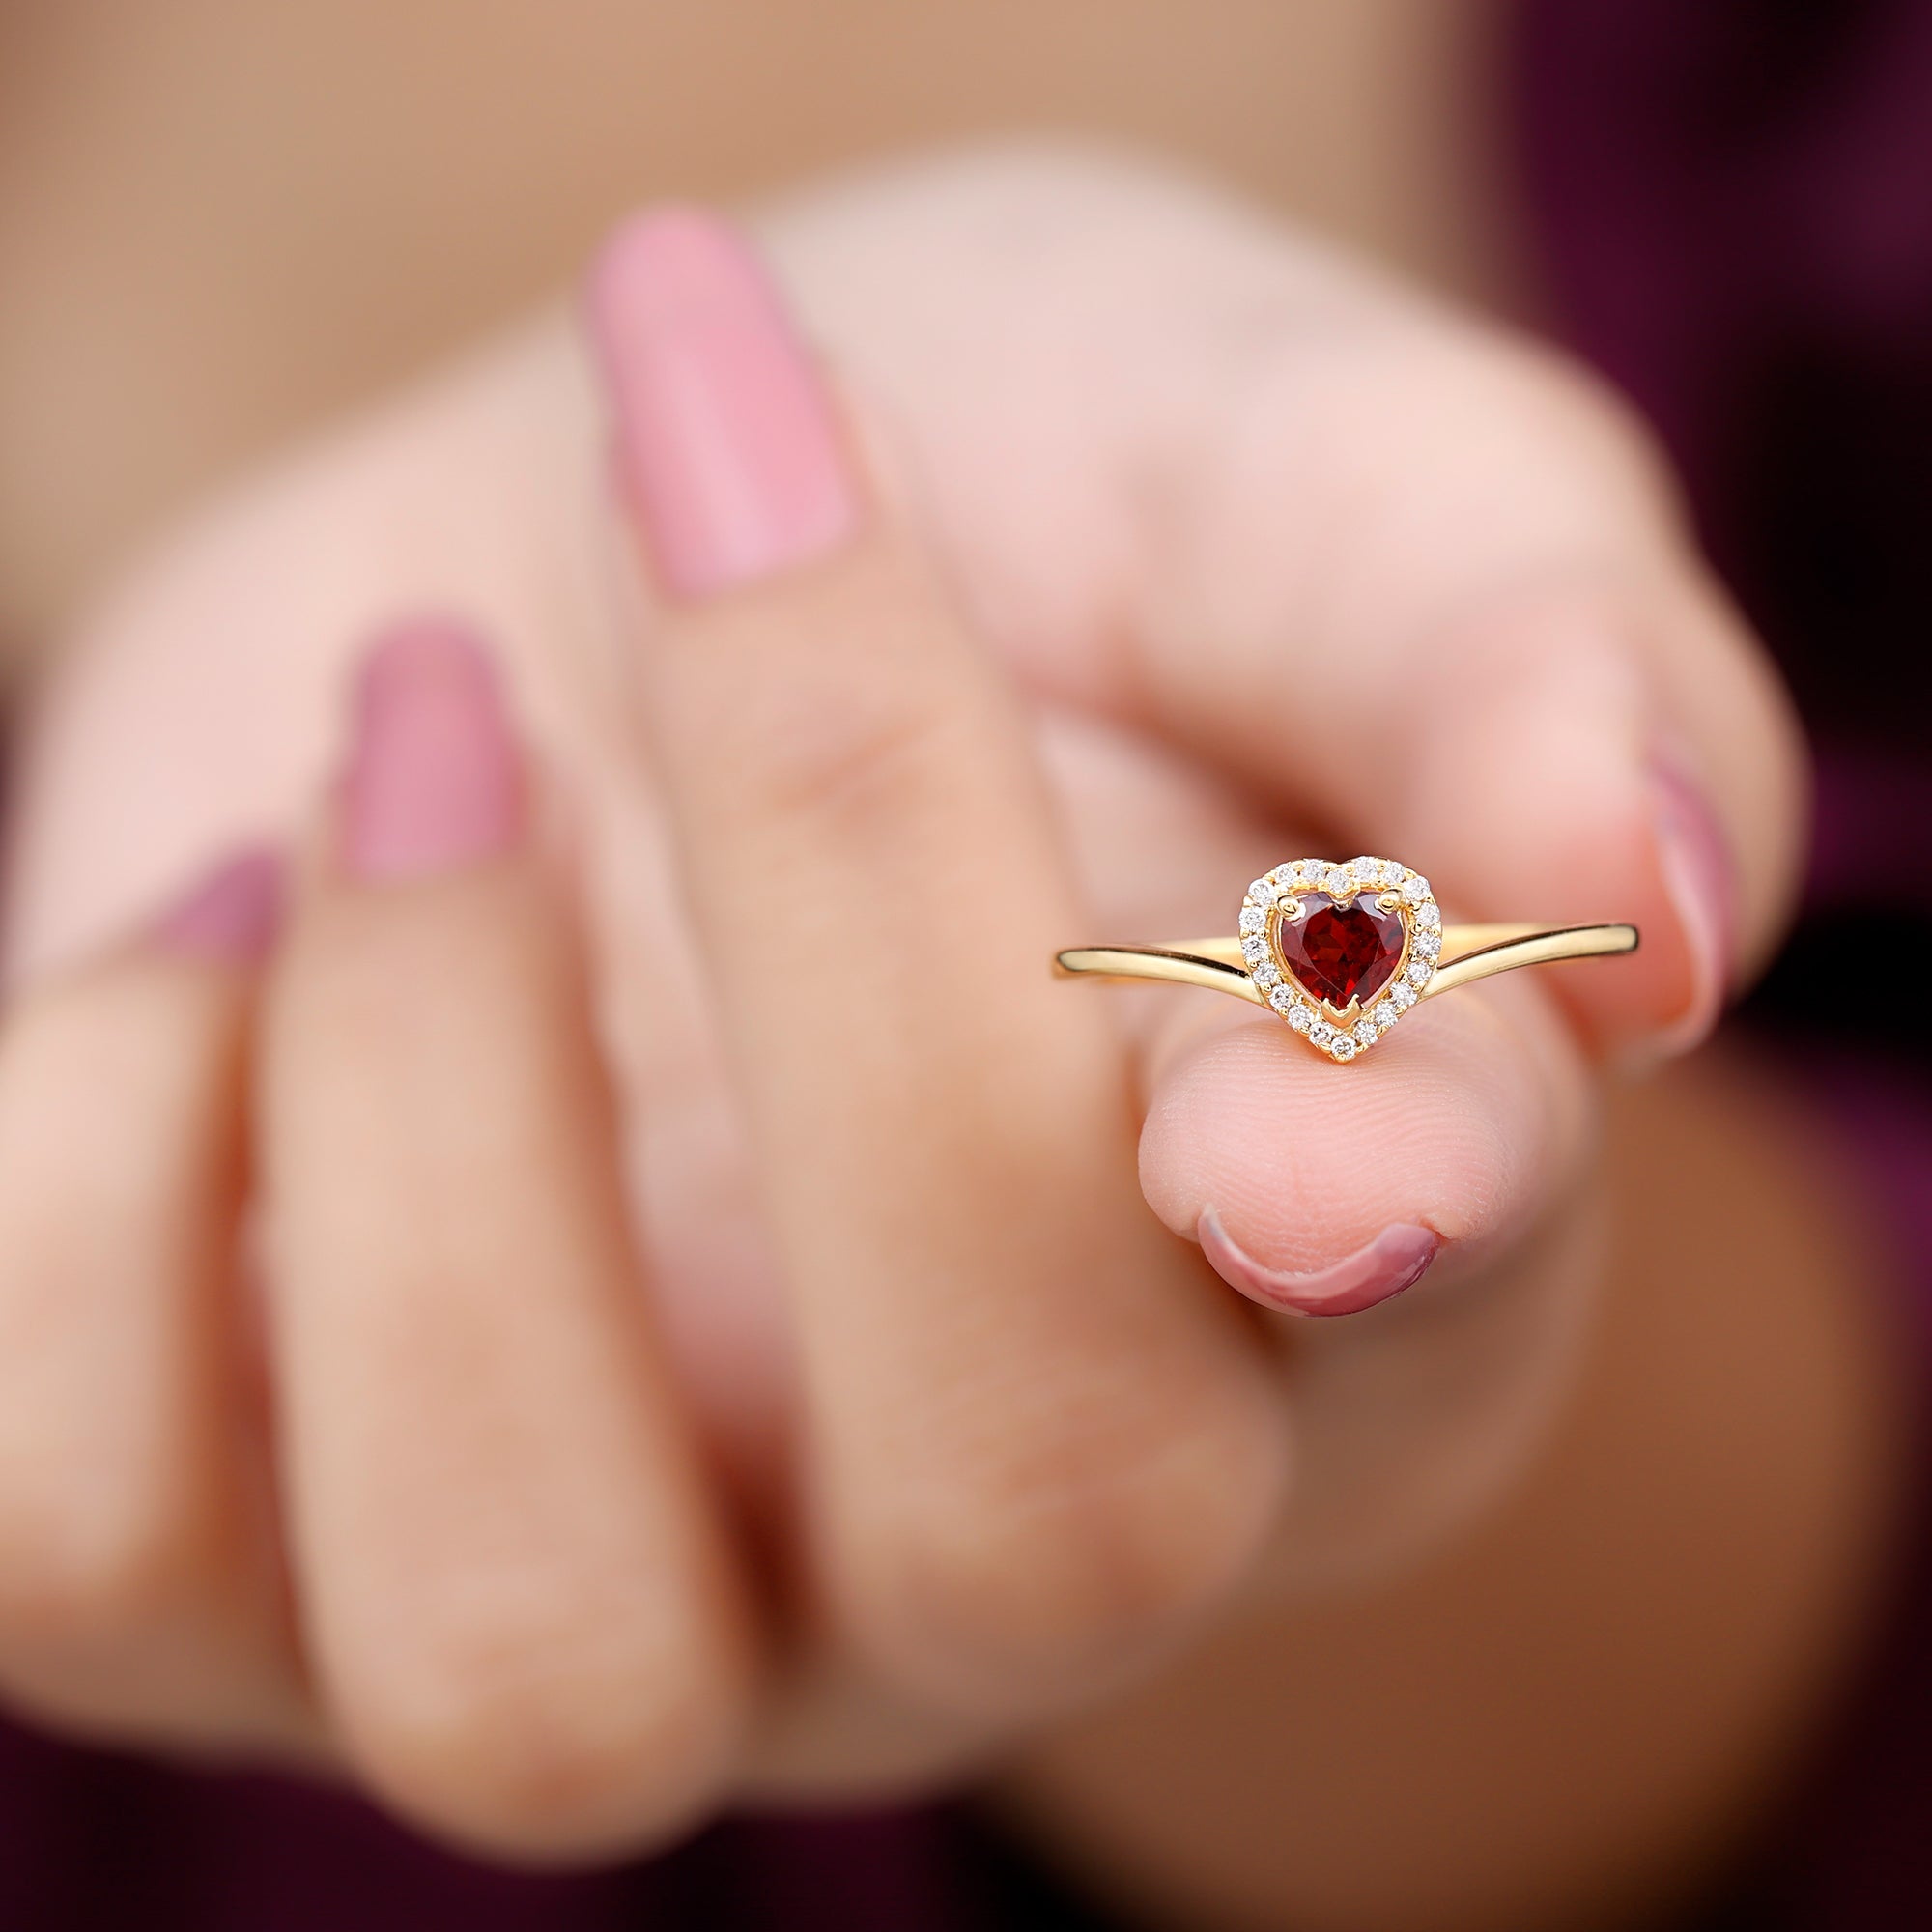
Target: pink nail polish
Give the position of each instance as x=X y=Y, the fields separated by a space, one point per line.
x=231 y=913
x=728 y=449
x=1398 y=1257
x=1700 y=877
x=435 y=778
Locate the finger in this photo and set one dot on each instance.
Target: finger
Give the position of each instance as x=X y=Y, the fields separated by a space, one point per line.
x=139 y=1575
x=520 y=1607
x=1037 y=1444
x=1406 y=578
x=1327 y=1190
x=1548 y=709
x=1343 y=1184
x=1445 y=1162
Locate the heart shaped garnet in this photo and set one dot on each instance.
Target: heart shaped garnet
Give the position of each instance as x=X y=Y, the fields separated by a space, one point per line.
x=1341 y=951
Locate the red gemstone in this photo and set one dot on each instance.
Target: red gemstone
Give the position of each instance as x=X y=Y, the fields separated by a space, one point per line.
x=1341 y=953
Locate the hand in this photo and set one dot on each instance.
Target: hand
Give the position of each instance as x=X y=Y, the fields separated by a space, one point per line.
x=1269 y=549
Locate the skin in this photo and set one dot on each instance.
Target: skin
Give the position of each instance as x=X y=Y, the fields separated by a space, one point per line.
x=774 y=1523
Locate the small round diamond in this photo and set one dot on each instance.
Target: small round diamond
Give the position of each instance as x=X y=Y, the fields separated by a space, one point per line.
x=1402 y=994
x=1254 y=948
x=1365 y=1033
x=1415 y=889
x=1386 y=1014
x=1342 y=1046
x=1320 y=1032
x=1253 y=918
x=1336 y=881
x=1262 y=892
x=1429 y=944
x=1300 y=1018
x=1267 y=974
x=1282 y=999
x=1391 y=873
x=1419 y=971
x=1429 y=917
x=1366 y=871
x=1308 y=871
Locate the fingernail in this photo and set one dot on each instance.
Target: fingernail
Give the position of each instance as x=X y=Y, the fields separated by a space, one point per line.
x=728 y=449
x=231 y=914
x=1398 y=1257
x=435 y=778
x=1694 y=861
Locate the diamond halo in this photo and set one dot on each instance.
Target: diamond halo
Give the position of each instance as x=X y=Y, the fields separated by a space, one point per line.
x=1280 y=900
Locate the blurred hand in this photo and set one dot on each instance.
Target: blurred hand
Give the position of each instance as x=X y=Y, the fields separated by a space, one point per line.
x=710 y=1343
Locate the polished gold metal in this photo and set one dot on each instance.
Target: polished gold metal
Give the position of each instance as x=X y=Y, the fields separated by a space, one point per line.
x=1470 y=953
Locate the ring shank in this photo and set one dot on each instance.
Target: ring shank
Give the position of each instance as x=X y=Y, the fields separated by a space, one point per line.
x=1470 y=953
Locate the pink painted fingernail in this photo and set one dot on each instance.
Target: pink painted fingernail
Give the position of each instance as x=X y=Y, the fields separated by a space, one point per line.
x=1398 y=1257
x=231 y=913
x=435 y=778
x=1695 y=860
x=728 y=449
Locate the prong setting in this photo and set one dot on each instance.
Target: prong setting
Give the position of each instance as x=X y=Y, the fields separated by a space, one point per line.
x=1395 y=976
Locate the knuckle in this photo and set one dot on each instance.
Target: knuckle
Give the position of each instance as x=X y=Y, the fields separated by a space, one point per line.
x=1533 y=424
x=75 y=1579
x=1443 y=410
x=1037 y=1567
x=850 y=762
x=547 y=1738
x=1586 y=427
x=107 y=1528
x=848 y=713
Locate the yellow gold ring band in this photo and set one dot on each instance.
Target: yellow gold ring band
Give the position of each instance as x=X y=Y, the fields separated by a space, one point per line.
x=1341 y=951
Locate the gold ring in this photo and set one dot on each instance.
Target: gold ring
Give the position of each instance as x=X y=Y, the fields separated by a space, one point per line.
x=1342 y=952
